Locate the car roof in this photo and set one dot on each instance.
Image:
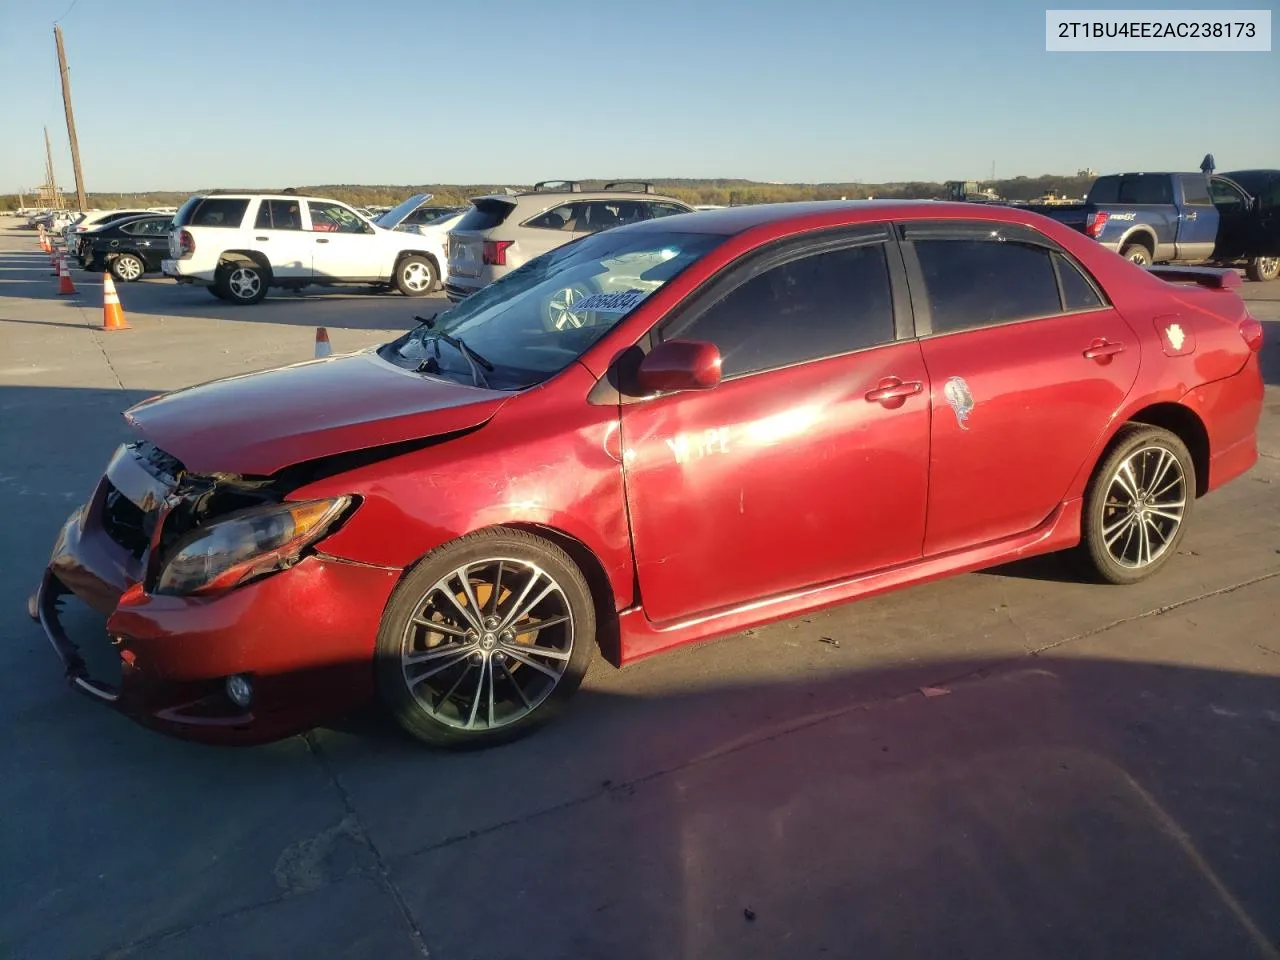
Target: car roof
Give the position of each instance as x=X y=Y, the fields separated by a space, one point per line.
x=732 y=220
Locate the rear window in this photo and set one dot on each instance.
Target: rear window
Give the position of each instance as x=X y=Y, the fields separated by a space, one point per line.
x=485 y=215
x=212 y=212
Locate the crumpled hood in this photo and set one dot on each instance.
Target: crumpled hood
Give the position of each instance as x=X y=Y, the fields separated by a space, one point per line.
x=257 y=423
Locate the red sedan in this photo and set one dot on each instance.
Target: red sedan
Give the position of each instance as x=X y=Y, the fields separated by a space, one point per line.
x=665 y=432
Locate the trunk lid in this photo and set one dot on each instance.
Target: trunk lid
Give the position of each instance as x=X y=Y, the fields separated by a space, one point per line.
x=466 y=239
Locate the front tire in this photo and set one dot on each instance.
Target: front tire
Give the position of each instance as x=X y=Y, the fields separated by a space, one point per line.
x=1262 y=269
x=416 y=276
x=485 y=640
x=127 y=268
x=242 y=283
x=1137 y=504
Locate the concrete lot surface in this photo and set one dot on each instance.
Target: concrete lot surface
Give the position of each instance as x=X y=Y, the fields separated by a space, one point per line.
x=1007 y=764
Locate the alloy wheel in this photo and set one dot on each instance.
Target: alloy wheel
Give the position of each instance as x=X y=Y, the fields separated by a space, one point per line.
x=244 y=283
x=1145 y=504
x=128 y=268
x=560 y=309
x=489 y=642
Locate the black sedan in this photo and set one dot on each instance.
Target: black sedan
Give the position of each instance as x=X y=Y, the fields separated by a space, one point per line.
x=128 y=248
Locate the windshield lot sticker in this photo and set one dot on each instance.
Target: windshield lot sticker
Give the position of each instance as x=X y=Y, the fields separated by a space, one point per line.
x=611 y=302
x=957 y=393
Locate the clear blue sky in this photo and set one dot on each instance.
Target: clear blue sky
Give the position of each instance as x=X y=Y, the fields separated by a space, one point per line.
x=181 y=95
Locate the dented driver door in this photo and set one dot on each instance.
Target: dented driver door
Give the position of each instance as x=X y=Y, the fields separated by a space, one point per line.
x=807 y=463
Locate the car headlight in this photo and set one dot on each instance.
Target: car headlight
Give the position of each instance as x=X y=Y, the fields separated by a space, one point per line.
x=247 y=544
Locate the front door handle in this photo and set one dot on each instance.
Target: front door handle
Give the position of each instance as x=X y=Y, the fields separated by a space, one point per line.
x=891 y=388
x=1101 y=349
x=1191 y=215
x=262 y=238
x=321 y=240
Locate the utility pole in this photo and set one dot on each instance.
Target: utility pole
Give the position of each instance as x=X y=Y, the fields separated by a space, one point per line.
x=55 y=195
x=71 y=119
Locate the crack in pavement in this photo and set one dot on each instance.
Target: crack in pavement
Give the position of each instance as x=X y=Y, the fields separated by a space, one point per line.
x=359 y=832
x=992 y=670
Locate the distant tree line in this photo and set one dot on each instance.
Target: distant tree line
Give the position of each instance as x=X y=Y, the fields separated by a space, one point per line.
x=724 y=192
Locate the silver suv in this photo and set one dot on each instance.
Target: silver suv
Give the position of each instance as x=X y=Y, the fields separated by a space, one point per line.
x=502 y=231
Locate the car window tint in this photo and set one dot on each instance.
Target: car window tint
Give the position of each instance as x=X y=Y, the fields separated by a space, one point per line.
x=564 y=217
x=219 y=212
x=816 y=306
x=1077 y=292
x=975 y=283
x=601 y=215
x=664 y=209
x=278 y=215
x=1146 y=189
x=1225 y=195
x=1195 y=190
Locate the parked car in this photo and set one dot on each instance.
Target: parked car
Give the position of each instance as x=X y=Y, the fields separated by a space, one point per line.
x=240 y=244
x=1248 y=203
x=894 y=391
x=415 y=212
x=96 y=218
x=129 y=248
x=503 y=230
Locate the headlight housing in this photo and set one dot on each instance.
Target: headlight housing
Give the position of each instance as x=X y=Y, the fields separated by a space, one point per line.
x=246 y=544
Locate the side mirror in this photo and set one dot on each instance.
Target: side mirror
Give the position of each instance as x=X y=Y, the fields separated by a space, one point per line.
x=679 y=365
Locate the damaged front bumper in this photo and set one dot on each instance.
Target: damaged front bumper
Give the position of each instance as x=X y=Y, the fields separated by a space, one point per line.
x=305 y=635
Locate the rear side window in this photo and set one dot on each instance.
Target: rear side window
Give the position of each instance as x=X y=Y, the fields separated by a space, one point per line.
x=816 y=306
x=569 y=217
x=278 y=215
x=978 y=283
x=1078 y=293
x=664 y=210
x=1105 y=190
x=1195 y=192
x=1155 y=189
x=485 y=215
x=214 y=212
x=146 y=228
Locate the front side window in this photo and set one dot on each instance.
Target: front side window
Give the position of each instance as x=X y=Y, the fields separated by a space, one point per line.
x=334 y=218
x=974 y=282
x=539 y=318
x=814 y=306
x=1226 y=196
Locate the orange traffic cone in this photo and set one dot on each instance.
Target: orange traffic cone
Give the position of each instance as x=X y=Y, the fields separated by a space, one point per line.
x=64 y=278
x=323 y=349
x=45 y=245
x=112 y=314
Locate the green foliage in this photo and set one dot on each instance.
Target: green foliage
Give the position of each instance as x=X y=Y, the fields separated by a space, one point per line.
x=694 y=191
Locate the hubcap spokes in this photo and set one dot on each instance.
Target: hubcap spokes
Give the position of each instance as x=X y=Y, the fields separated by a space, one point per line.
x=561 y=307
x=129 y=269
x=1146 y=501
x=489 y=643
x=416 y=276
x=244 y=283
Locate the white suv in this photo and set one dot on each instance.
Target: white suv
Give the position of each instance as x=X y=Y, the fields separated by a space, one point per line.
x=240 y=244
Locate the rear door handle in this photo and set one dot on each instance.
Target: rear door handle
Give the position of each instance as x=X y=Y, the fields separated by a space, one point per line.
x=1100 y=349
x=891 y=388
x=262 y=238
x=321 y=240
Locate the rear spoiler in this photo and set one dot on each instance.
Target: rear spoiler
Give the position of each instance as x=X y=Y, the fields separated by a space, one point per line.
x=1217 y=279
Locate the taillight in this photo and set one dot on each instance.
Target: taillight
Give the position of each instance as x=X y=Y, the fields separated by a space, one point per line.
x=1251 y=330
x=187 y=243
x=1094 y=223
x=495 y=252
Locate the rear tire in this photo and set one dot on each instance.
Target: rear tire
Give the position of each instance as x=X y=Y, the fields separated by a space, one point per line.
x=1137 y=253
x=1262 y=269
x=127 y=268
x=478 y=679
x=1137 y=504
x=416 y=276
x=242 y=283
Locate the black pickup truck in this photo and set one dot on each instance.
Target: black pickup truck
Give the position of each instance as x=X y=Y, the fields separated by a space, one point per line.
x=1183 y=218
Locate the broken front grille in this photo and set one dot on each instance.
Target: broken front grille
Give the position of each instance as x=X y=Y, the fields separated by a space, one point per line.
x=124 y=522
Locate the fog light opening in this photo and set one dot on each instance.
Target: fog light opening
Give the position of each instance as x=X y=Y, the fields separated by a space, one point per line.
x=240 y=690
